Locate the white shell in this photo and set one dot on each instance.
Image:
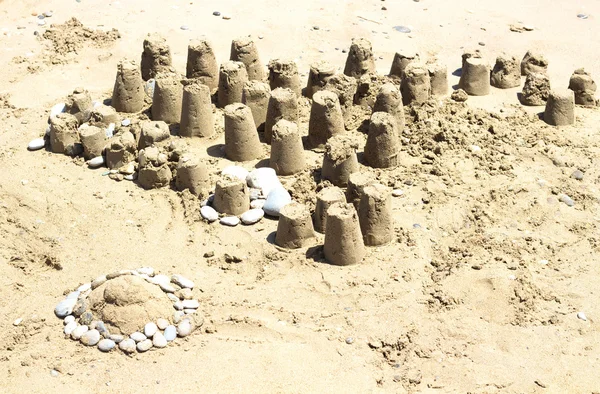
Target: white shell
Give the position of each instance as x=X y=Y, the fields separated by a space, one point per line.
x=96 y=162
x=230 y=221
x=236 y=172
x=276 y=200
x=209 y=213
x=252 y=216
x=36 y=144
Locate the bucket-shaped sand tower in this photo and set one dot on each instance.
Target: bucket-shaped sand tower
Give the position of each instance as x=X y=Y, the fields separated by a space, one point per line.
x=192 y=174
x=128 y=92
x=375 y=215
x=232 y=77
x=560 y=108
x=339 y=160
x=283 y=73
x=318 y=75
x=401 y=60
x=256 y=96
x=63 y=134
x=506 y=73
x=383 y=143
x=244 y=50
x=241 y=139
x=231 y=196
x=283 y=104
x=356 y=185
x=325 y=199
x=343 y=240
x=202 y=64
x=295 y=227
x=326 y=119
x=389 y=100
x=416 y=84
x=475 y=77
x=360 y=58
x=168 y=94
x=287 y=152
x=197 y=119
x=156 y=57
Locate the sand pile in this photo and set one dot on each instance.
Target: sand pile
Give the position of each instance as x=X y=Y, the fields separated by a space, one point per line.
x=125 y=304
x=66 y=40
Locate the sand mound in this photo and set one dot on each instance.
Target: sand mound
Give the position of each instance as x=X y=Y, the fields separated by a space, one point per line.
x=125 y=304
x=68 y=39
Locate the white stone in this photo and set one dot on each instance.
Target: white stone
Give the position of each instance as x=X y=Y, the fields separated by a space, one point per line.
x=110 y=130
x=18 y=321
x=162 y=323
x=170 y=333
x=99 y=281
x=189 y=311
x=70 y=327
x=172 y=297
x=84 y=287
x=127 y=345
x=254 y=194
x=258 y=203
x=146 y=271
x=73 y=295
x=160 y=279
x=184 y=328
x=209 y=213
x=125 y=122
x=36 y=144
x=79 y=331
x=397 y=192
x=106 y=345
x=190 y=304
x=582 y=316
x=116 y=338
x=263 y=178
x=159 y=340
x=178 y=305
x=167 y=287
x=177 y=316
x=230 y=221
x=138 y=336
x=276 y=200
x=57 y=109
x=150 y=329
x=69 y=319
x=182 y=281
x=252 y=216
x=236 y=172
x=144 y=345
x=96 y=162
x=65 y=307
x=90 y=338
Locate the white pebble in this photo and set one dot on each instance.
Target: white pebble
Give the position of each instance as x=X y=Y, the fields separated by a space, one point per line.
x=125 y=122
x=397 y=192
x=78 y=332
x=150 y=329
x=36 y=144
x=70 y=327
x=189 y=311
x=65 y=307
x=581 y=316
x=209 y=213
x=127 y=345
x=252 y=216
x=146 y=271
x=236 y=171
x=96 y=162
x=263 y=178
x=57 y=109
x=138 y=336
x=160 y=279
x=170 y=333
x=184 y=328
x=258 y=203
x=162 y=323
x=106 y=345
x=110 y=130
x=144 y=345
x=182 y=281
x=190 y=304
x=69 y=319
x=230 y=221
x=276 y=200
x=84 y=287
x=159 y=340
x=18 y=321
x=167 y=287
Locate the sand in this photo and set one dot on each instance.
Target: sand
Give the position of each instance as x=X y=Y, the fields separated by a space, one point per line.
x=478 y=293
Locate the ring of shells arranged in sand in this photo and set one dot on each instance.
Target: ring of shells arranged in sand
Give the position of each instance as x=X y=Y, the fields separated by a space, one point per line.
x=131 y=310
